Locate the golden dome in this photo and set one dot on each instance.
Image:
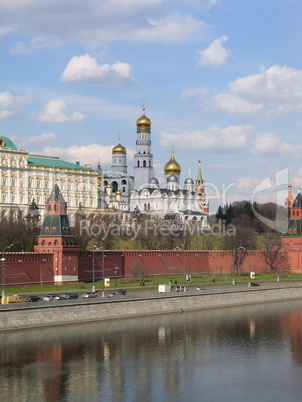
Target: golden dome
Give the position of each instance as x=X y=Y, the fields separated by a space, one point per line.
x=119 y=149
x=118 y=192
x=108 y=185
x=143 y=120
x=172 y=167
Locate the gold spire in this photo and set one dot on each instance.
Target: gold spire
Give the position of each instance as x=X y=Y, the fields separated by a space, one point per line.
x=119 y=149
x=172 y=167
x=143 y=120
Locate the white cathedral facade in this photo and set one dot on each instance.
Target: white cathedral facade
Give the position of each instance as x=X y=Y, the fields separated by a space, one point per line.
x=142 y=191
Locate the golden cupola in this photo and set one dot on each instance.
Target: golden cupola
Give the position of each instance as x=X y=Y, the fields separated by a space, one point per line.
x=172 y=167
x=143 y=120
x=119 y=149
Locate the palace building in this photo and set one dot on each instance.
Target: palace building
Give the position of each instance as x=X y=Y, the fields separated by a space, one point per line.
x=25 y=177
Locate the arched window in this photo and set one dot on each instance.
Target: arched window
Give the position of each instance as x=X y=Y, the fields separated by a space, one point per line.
x=49 y=207
x=144 y=164
x=43 y=243
x=56 y=242
x=137 y=163
x=149 y=163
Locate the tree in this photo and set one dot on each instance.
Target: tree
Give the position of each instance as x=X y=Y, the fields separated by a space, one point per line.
x=272 y=257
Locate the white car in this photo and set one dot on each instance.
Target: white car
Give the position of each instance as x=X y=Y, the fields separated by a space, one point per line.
x=51 y=297
x=200 y=288
x=89 y=295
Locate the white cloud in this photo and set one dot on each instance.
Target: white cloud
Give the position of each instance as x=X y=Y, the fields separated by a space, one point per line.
x=272 y=93
x=86 y=154
x=57 y=111
x=270 y=144
x=198 y=93
x=87 y=69
x=229 y=139
x=35 y=44
x=27 y=141
x=96 y=23
x=11 y=105
x=172 y=29
x=215 y=55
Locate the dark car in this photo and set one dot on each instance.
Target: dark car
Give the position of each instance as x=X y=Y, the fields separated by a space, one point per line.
x=255 y=284
x=119 y=292
x=70 y=295
x=32 y=299
x=122 y=291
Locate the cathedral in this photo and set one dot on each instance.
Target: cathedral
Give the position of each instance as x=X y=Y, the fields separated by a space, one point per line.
x=142 y=191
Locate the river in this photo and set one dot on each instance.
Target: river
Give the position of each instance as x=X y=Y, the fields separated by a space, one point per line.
x=249 y=353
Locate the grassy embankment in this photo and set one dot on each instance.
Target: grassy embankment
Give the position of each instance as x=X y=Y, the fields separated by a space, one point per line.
x=151 y=283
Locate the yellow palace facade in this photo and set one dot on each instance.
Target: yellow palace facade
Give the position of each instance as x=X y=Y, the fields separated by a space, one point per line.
x=25 y=177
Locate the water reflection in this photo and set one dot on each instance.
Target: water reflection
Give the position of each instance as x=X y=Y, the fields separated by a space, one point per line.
x=230 y=352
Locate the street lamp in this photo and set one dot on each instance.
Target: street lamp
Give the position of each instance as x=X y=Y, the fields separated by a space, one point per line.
x=3 y=260
x=103 y=290
x=93 y=277
x=248 y=252
x=185 y=269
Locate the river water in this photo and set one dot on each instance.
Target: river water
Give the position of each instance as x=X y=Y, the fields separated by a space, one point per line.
x=249 y=353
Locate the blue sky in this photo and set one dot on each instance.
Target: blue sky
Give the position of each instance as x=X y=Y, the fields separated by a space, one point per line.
x=222 y=82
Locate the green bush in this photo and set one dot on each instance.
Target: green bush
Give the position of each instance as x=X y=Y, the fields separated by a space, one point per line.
x=81 y=285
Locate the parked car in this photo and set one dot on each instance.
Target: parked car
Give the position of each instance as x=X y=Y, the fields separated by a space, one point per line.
x=119 y=292
x=51 y=297
x=122 y=292
x=201 y=288
x=89 y=295
x=113 y=294
x=180 y=288
x=31 y=299
x=11 y=299
x=70 y=295
x=255 y=284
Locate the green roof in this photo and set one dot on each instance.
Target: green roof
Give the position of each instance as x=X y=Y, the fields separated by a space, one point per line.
x=8 y=143
x=298 y=201
x=54 y=163
x=55 y=225
x=56 y=195
x=293 y=229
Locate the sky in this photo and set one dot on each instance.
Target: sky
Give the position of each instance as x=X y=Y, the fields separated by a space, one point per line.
x=221 y=80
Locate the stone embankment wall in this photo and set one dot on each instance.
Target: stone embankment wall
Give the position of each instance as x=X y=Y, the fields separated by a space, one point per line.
x=37 y=316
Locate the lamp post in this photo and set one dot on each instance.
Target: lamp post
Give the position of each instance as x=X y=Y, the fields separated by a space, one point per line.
x=242 y=249
x=234 y=267
x=93 y=287
x=3 y=260
x=103 y=290
x=249 y=268
x=185 y=269
x=170 y=283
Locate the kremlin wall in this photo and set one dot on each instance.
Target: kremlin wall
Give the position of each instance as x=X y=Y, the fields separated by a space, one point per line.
x=57 y=259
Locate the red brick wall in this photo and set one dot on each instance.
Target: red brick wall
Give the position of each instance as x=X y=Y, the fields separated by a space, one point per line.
x=27 y=268
x=112 y=260
x=37 y=268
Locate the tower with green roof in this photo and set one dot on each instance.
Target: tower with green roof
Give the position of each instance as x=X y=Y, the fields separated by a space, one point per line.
x=56 y=237
x=293 y=234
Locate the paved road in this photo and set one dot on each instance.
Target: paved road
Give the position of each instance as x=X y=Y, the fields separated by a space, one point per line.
x=145 y=293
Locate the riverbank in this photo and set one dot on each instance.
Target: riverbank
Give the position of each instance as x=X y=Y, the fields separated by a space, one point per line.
x=21 y=317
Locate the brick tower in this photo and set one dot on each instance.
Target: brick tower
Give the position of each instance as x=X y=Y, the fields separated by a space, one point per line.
x=56 y=237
